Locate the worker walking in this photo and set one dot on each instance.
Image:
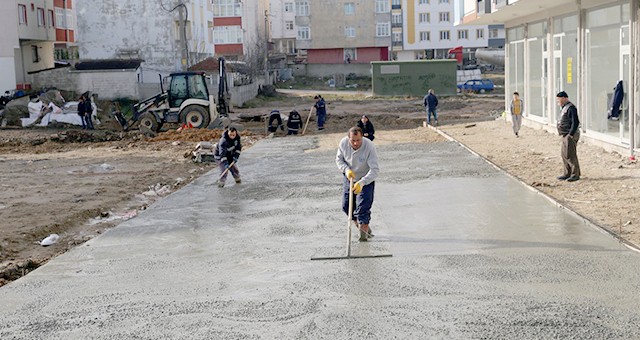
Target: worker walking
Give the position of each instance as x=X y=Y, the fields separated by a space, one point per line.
x=227 y=154
x=430 y=102
x=294 y=123
x=358 y=160
x=569 y=130
x=517 y=109
x=321 y=111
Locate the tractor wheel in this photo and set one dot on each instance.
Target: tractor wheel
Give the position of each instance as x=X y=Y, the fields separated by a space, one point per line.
x=148 y=122
x=195 y=115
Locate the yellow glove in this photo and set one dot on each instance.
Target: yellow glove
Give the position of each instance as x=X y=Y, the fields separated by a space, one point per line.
x=350 y=174
x=357 y=187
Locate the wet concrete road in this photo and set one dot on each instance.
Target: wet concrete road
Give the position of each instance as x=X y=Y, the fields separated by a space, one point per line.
x=475 y=255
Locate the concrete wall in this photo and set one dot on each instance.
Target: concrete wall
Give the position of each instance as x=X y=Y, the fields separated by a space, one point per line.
x=401 y=78
x=107 y=84
x=8 y=43
x=141 y=28
x=324 y=70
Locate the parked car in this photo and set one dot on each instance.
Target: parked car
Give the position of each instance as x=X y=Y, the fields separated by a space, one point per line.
x=477 y=86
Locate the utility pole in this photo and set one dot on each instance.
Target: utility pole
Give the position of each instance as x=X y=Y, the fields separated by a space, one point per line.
x=184 y=55
x=266 y=45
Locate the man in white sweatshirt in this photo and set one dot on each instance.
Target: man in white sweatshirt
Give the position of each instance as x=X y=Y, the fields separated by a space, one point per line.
x=357 y=159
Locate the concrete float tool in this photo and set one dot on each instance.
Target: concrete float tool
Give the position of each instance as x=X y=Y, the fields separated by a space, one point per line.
x=349 y=256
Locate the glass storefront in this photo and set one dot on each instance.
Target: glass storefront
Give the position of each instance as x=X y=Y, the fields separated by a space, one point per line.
x=537 y=70
x=565 y=58
x=515 y=37
x=607 y=62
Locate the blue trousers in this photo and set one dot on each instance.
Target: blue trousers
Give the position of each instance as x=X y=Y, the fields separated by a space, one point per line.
x=321 y=119
x=362 y=201
x=429 y=113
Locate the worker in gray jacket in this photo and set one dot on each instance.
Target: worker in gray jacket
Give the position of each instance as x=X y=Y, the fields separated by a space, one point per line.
x=357 y=159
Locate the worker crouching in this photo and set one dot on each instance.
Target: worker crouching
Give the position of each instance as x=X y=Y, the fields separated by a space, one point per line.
x=358 y=160
x=227 y=154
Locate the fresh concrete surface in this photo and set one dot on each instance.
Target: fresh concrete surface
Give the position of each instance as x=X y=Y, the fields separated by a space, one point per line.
x=475 y=255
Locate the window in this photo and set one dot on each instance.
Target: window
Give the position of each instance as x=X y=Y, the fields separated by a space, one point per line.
x=61 y=18
x=178 y=29
x=396 y=37
x=303 y=33
x=40 y=17
x=349 y=54
x=396 y=2
x=302 y=8
x=34 y=54
x=350 y=32
x=444 y=16
x=288 y=25
x=52 y=22
x=383 y=29
x=396 y=19
x=443 y=1
x=463 y=34
x=349 y=8
x=480 y=33
x=227 y=35
x=210 y=31
x=444 y=35
x=424 y=2
x=288 y=7
x=227 y=8
x=22 y=14
x=382 y=6
x=425 y=36
x=424 y=18
x=493 y=33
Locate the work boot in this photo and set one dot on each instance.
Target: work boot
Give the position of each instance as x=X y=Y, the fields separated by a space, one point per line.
x=238 y=180
x=364 y=232
x=220 y=184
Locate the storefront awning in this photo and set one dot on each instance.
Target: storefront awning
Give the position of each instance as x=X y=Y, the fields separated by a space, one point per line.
x=517 y=10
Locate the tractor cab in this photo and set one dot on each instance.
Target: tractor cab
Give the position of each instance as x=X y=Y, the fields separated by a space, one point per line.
x=187 y=85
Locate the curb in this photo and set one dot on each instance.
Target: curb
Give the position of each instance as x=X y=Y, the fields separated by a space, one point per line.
x=584 y=219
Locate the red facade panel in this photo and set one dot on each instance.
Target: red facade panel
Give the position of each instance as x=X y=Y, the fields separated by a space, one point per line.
x=61 y=34
x=325 y=56
x=228 y=21
x=227 y=49
x=61 y=4
x=72 y=37
x=364 y=55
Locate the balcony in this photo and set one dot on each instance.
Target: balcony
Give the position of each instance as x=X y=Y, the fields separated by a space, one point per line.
x=396 y=24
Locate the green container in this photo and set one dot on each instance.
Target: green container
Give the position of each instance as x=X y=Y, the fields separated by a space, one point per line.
x=414 y=78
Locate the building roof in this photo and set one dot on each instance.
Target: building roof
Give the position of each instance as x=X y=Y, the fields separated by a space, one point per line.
x=516 y=10
x=210 y=65
x=109 y=64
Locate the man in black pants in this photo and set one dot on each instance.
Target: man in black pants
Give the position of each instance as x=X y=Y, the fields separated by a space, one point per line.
x=569 y=129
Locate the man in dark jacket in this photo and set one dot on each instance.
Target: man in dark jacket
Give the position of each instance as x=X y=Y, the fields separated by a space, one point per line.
x=274 y=116
x=294 y=123
x=321 y=111
x=569 y=130
x=88 y=110
x=227 y=154
x=430 y=103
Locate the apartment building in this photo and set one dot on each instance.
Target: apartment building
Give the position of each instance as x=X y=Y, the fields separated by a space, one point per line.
x=32 y=31
x=240 y=28
x=282 y=27
x=585 y=48
x=427 y=29
x=343 y=31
